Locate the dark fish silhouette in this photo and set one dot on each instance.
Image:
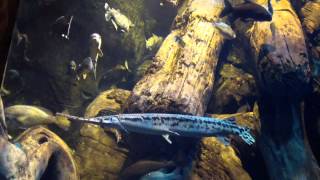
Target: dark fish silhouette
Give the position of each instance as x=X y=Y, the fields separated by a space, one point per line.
x=86 y=67
x=248 y=10
x=144 y=167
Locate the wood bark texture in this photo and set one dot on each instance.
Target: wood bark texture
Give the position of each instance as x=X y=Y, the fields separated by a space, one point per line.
x=182 y=74
x=280 y=52
x=283 y=74
x=311 y=16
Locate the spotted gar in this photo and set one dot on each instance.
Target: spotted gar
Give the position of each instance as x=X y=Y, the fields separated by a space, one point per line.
x=170 y=124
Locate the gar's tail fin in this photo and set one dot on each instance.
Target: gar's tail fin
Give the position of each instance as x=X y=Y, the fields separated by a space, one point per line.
x=246 y=136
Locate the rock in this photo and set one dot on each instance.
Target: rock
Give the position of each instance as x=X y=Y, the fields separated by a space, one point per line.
x=97 y=153
x=108 y=102
x=217 y=161
x=234 y=89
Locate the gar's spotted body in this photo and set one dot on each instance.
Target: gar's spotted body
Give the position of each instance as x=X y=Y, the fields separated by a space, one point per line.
x=171 y=124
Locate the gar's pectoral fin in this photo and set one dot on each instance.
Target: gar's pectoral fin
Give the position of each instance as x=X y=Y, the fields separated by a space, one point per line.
x=114 y=24
x=167 y=138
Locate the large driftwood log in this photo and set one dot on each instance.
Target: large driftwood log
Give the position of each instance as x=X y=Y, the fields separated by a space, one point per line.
x=182 y=74
x=282 y=76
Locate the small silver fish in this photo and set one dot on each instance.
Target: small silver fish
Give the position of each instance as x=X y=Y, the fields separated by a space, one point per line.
x=119 y=20
x=163 y=174
x=27 y=116
x=225 y=30
x=86 y=67
x=144 y=167
x=95 y=51
x=250 y=10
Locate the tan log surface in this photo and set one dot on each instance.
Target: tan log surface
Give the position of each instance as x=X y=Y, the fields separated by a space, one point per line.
x=311 y=16
x=282 y=75
x=182 y=74
x=286 y=68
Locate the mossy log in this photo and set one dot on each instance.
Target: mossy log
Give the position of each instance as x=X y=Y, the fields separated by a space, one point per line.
x=234 y=92
x=182 y=74
x=283 y=74
x=311 y=16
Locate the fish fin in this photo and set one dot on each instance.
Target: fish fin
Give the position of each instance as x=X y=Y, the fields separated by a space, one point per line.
x=246 y=136
x=167 y=138
x=114 y=24
x=172 y=132
x=100 y=53
x=122 y=127
x=224 y=140
x=126 y=65
x=84 y=76
x=45 y=110
x=227 y=10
